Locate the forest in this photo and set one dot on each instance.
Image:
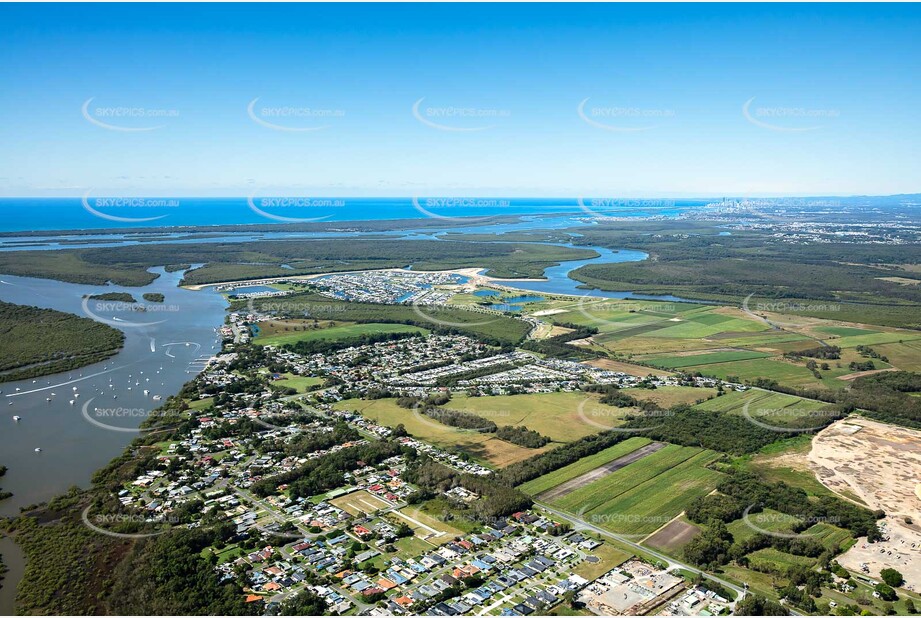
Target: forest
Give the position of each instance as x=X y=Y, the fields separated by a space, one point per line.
x=39 y=342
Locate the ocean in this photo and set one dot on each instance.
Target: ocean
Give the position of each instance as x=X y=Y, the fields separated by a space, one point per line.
x=101 y=213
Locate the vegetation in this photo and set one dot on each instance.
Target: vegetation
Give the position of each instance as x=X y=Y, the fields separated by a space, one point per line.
x=39 y=342
x=4 y=494
x=305 y=603
x=522 y=436
x=496 y=499
x=127 y=264
x=850 y=278
x=542 y=464
x=743 y=492
x=122 y=297
x=586 y=464
x=327 y=346
x=325 y=473
x=884 y=396
x=153 y=297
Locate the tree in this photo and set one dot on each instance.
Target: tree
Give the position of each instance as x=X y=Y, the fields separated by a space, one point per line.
x=886 y=593
x=753 y=605
x=711 y=547
x=892 y=577
x=306 y=603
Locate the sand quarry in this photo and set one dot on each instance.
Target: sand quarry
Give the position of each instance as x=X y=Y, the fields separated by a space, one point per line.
x=880 y=465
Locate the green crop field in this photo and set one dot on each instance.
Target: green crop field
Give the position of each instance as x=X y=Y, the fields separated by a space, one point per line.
x=586 y=464
x=650 y=505
x=876 y=338
x=646 y=494
x=784 y=372
x=597 y=493
x=674 y=362
x=843 y=331
x=336 y=332
x=831 y=536
x=771 y=408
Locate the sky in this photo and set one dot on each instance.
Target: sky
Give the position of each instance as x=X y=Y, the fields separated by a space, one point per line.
x=519 y=100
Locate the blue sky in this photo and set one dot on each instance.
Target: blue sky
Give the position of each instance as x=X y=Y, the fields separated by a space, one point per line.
x=543 y=100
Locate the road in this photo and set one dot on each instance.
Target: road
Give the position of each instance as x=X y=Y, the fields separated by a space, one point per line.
x=671 y=562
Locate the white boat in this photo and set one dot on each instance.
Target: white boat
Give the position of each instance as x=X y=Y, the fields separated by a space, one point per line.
x=38 y=450
x=71 y=402
x=17 y=418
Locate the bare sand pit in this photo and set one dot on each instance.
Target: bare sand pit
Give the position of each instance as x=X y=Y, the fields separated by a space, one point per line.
x=881 y=465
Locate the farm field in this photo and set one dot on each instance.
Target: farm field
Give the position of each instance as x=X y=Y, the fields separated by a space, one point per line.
x=586 y=464
x=906 y=355
x=562 y=417
x=559 y=492
x=630 y=369
x=771 y=408
x=831 y=536
x=483 y=447
x=345 y=331
x=784 y=372
x=876 y=338
x=727 y=356
x=668 y=396
x=613 y=315
x=643 y=496
x=672 y=538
